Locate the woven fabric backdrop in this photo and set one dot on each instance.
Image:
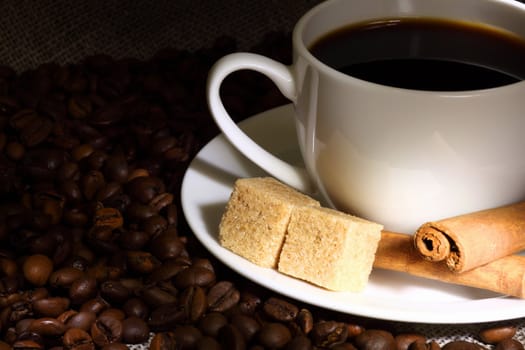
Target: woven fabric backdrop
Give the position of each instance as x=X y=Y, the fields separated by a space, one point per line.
x=35 y=32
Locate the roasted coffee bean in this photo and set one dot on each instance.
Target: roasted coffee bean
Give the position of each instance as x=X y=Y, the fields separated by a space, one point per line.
x=115 y=346
x=280 y=310
x=134 y=330
x=187 y=336
x=142 y=262
x=155 y=296
x=247 y=325
x=163 y=341
x=113 y=313
x=27 y=345
x=211 y=323
x=166 y=317
x=145 y=188
x=494 y=335
x=329 y=333
x=105 y=330
x=65 y=276
x=79 y=106
x=193 y=301
x=249 y=302
x=301 y=342
x=136 y=307
x=47 y=327
x=51 y=306
x=404 y=340
x=463 y=345
x=509 y=344
x=108 y=217
x=274 y=335
x=194 y=276
x=231 y=338
x=77 y=339
x=222 y=296
x=83 y=289
x=154 y=225
x=375 y=339
x=95 y=305
x=208 y=343
x=161 y=201
x=37 y=269
x=116 y=168
x=81 y=319
x=114 y=292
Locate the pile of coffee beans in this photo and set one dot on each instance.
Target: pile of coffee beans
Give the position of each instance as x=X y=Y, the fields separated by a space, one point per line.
x=94 y=249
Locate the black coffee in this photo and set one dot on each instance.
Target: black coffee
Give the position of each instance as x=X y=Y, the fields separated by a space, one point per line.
x=425 y=54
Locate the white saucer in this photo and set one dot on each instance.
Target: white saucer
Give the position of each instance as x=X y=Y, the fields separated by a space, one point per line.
x=389 y=295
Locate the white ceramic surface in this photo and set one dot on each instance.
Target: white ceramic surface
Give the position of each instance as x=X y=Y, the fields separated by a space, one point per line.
x=389 y=295
x=396 y=156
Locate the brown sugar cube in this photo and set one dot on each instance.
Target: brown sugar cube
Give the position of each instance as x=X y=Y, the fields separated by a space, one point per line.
x=256 y=216
x=329 y=248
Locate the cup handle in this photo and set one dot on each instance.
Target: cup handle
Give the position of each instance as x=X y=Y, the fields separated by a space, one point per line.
x=282 y=76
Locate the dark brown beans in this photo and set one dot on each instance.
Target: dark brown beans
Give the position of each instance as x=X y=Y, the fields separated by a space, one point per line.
x=509 y=344
x=50 y=307
x=134 y=330
x=274 y=335
x=222 y=296
x=280 y=310
x=105 y=330
x=329 y=333
x=494 y=335
x=77 y=339
x=37 y=269
x=375 y=339
x=211 y=323
x=404 y=340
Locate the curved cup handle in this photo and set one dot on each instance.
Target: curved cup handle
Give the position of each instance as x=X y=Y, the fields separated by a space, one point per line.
x=281 y=75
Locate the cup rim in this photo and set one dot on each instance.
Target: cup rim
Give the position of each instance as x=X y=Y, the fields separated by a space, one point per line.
x=302 y=49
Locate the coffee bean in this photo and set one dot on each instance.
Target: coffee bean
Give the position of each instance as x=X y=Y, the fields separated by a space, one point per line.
x=82 y=320
x=114 y=292
x=134 y=330
x=113 y=313
x=404 y=340
x=207 y=343
x=166 y=317
x=509 y=344
x=27 y=345
x=37 y=269
x=83 y=289
x=105 y=330
x=65 y=276
x=222 y=296
x=493 y=335
x=193 y=301
x=77 y=339
x=231 y=338
x=47 y=327
x=329 y=333
x=375 y=339
x=280 y=310
x=211 y=323
x=51 y=306
x=274 y=335
x=194 y=276
x=187 y=336
x=163 y=341
x=136 y=307
x=301 y=342
x=115 y=346
x=248 y=326
x=108 y=217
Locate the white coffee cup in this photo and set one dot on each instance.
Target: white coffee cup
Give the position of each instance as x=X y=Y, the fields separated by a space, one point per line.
x=396 y=156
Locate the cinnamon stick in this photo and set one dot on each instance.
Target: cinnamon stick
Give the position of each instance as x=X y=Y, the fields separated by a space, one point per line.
x=471 y=240
x=506 y=275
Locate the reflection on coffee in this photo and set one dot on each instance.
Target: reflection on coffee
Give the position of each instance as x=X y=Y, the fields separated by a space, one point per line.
x=425 y=54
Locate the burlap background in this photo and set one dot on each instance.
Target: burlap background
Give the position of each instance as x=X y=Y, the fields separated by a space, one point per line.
x=35 y=32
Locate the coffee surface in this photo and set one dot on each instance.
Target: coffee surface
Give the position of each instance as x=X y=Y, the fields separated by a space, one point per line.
x=425 y=54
